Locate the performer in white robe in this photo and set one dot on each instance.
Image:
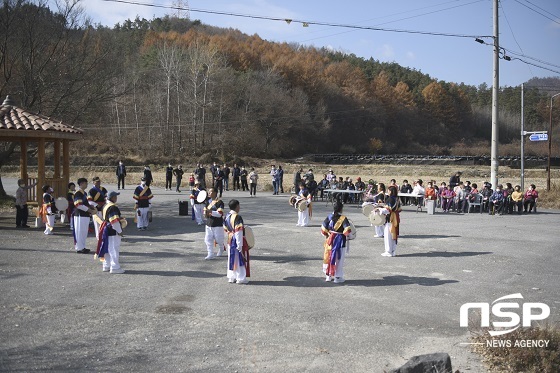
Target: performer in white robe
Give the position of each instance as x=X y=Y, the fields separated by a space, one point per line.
x=238 y=252
x=97 y=198
x=379 y=198
x=198 y=207
x=336 y=228
x=142 y=195
x=48 y=209
x=305 y=215
x=82 y=215
x=391 y=228
x=214 y=212
x=109 y=243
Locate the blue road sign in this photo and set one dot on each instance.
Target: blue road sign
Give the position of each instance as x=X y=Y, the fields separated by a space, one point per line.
x=538 y=137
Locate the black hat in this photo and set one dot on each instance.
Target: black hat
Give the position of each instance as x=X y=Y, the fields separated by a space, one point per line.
x=112 y=194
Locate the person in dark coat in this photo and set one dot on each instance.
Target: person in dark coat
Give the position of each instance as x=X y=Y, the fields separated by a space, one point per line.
x=121 y=174
x=178 y=172
x=148 y=176
x=168 y=176
x=455 y=179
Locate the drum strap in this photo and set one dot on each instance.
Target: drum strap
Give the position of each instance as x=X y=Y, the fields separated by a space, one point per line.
x=106 y=208
x=144 y=190
x=339 y=222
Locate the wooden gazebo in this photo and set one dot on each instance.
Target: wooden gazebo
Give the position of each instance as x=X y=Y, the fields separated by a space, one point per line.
x=23 y=127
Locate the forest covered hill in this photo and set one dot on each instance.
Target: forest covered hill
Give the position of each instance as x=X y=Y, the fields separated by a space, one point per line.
x=174 y=89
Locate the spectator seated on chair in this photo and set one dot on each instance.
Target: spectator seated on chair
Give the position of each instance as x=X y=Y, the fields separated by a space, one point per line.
x=459 y=199
x=474 y=190
x=323 y=184
x=486 y=194
x=508 y=205
x=530 y=199
x=467 y=189
x=447 y=196
x=441 y=189
x=420 y=191
x=350 y=196
x=434 y=185
x=517 y=199
x=496 y=201
x=405 y=188
x=430 y=192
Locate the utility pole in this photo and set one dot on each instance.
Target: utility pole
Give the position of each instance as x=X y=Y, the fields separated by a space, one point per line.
x=522 y=141
x=550 y=143
x=494 y=162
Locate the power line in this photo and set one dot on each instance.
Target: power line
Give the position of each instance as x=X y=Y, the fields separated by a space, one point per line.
x=544 y=10
x=503 y=55
x=356 y=27
x=530 y=58
x=536 y=11
x=533 y=64
x=303 y=22
x=401 y=19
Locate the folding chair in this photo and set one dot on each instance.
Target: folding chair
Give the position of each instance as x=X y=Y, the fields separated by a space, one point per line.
x=477 y=202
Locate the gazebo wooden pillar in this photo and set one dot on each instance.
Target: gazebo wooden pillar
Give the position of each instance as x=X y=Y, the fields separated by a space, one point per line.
x=18 y=125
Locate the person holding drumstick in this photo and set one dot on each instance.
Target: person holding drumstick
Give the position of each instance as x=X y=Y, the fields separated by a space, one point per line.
x=142 y=196
x=392 y=212
x=336 y=229
x=304 y=214
x=196 y=204
x=238 y=251
x=379 y=199
x=97 y=197
x=82 y=215
x=48 y=209
x=214 y=213
x=111 y=232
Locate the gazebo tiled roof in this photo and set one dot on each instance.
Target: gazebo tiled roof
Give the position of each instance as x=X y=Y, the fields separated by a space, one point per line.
x=17 y=122
x=23 y=127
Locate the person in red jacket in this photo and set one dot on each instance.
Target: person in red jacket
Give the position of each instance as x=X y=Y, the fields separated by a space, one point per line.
x=530 y=198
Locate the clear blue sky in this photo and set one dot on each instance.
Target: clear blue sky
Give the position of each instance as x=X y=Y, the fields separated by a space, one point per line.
x=451 y=59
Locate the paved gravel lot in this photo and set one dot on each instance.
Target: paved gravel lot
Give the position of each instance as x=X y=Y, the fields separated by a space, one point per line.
x=173 y=311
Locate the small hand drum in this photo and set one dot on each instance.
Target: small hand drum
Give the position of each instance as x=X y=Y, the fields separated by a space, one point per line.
x=202 y=196
x=367 y=209
x=249 y=237
x=376 y=219
x=61 y=204
x=301 y=205
x=353 y=231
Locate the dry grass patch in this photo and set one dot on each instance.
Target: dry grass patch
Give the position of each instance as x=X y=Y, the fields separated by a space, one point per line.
x=521 y=359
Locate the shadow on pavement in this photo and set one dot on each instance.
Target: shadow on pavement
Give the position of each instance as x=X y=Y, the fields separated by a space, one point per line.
x=280 y=259
x=195 y=274
x=307 y=281
x=446 y=254
x=157 y=254
x=430 y=236
x=148 y=239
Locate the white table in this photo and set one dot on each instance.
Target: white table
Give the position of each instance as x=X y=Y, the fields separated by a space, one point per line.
x=418 y=206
